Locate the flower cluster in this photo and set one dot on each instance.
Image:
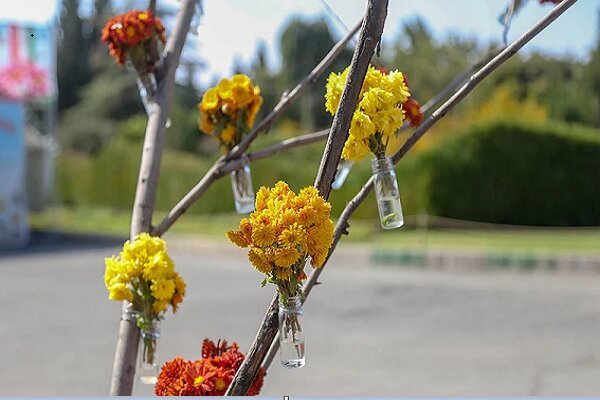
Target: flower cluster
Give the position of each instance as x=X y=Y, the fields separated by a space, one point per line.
x=129 y=34
x=378 y=114
x=23 y=80
x=228 y=110
x=283 y=231
x=209 y=376
x=144 y=275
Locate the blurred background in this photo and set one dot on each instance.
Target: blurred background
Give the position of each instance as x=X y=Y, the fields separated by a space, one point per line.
x=509 y=181
x=520 y=151
x=483 y=163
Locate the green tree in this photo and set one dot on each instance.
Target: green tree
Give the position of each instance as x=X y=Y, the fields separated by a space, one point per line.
x=430 y=66
x=73 y=68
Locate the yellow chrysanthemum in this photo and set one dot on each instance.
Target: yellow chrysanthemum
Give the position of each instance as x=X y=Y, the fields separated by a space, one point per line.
x=374 y=78
x=309 y=192
x=376 y=99
x=246 y=229
x=210 y=101
x=320 y=237
x=286 y=257
x=163 y=289
x=119 y=291
x=262 y=195
x=160 y=305
x=237 y=238
x=292 y=236
x=318 y=259
x=254 y=107
x=334 y=89
x=259 y=260
x=397 y=86
x=379 y=110
x=321 y=208
x=354 y=149
x=263 y=235
x=389 y=120
x=361 y=126
x=284 y=230
x=205 y=124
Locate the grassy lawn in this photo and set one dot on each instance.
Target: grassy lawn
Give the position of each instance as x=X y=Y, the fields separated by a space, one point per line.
x=552 y=241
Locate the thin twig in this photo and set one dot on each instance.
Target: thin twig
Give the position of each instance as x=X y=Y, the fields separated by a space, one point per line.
x=152 y=6
x=309 y=138
x=370 y=35
x=287 y=98
x=342 y=225
x=215 y=172
x=145 y=196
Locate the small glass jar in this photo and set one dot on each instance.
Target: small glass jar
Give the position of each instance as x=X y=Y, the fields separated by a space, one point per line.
x=387 y=193
x=147 y=88
x=342 y=173
x=148 y=367
x=291 y=337
x=243 y=192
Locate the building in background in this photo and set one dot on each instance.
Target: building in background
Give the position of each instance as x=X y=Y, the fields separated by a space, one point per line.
x=27 y=119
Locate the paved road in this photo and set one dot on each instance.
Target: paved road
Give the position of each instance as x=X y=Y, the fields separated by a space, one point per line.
x=370 y=330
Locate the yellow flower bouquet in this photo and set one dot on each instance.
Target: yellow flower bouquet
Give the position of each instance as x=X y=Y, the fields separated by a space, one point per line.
x=378 y=116
x=144 y=275
x=284 y=231
x=227 y=112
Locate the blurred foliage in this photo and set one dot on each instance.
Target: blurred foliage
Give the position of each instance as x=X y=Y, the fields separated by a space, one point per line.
x=515 y=172
x=102 y=124
x=303 y=44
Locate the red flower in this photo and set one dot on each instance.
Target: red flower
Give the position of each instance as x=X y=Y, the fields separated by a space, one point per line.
x=131 y=29
x=209 y=376
x=171 y=378
x=412 y=108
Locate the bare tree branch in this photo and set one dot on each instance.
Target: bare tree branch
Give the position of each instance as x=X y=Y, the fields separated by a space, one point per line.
x=370 y=36
x=152 y=6
x=287 y=98
x=342 y=223
x=145 y=196
x=216 y=172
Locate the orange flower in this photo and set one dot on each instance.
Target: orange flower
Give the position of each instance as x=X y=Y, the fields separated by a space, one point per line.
x=209 y=376
x=129 y=30
x=170 y=380
x=412 y=108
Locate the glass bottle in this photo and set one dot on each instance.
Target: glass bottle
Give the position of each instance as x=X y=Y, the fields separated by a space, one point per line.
x=243 y=192
x=291 y=337
x=148 y=367
x=387 y=193
x=342 y=173
x=147 y=88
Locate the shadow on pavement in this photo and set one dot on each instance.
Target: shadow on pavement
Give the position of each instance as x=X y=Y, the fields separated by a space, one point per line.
x=52 y=241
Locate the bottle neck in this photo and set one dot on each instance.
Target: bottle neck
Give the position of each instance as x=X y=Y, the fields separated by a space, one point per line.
x=383 y=164
x=153 y=332
x=293 y=303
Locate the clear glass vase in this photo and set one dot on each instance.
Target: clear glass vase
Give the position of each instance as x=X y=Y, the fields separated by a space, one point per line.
x=147 y=88
x=243 y=192
x=387 y=193
x=148 y=367
x=342 y=173
x=291 y=337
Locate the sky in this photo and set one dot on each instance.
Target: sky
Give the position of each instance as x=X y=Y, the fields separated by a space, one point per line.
x=232 y=29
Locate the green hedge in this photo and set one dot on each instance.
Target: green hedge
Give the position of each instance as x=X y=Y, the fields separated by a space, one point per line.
x=108 y=179
x=516 y=173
